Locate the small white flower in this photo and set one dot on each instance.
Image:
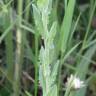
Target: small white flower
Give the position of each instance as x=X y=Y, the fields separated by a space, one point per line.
x=78 y=83
x=75 y=82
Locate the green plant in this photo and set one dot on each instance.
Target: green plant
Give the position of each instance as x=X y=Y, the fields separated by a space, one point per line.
x=47 y=66
x=42 y=42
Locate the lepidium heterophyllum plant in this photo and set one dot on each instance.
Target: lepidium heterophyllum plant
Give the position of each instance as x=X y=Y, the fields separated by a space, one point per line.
x=48 y=66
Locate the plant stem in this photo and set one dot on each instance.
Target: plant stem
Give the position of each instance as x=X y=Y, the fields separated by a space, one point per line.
x=36 y=63
x=28 y=9
x=19 y=52
x=9 y=48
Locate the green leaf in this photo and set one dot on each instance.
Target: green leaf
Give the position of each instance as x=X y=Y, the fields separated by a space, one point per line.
x=38 y=19
x=52 y=33
x=54 y=72
x=71 y=50
x=53 y=91
x=66 y=26
x=42 y=79
x=45 y=5
x=28 y=94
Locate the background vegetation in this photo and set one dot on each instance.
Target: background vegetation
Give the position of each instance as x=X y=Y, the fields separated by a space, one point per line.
x=43 y=42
